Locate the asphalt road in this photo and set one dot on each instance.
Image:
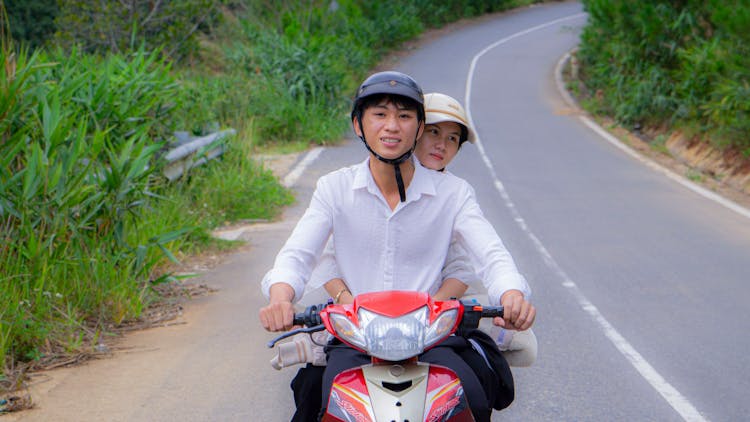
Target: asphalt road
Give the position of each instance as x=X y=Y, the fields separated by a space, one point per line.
x=640 y=282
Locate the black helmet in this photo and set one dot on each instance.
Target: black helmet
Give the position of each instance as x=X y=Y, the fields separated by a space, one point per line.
x=396 y=84
x=389 y=83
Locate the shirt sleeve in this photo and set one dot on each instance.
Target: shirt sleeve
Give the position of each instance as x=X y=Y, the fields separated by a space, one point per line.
x=493 y=263
x=299 y=255
x=458 y=266
x=327 y=268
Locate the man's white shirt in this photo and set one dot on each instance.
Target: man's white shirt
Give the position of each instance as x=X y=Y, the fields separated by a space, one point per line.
x=377 y=248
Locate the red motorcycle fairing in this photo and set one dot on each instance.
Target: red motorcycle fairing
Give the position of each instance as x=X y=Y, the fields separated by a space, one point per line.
x=392 y=303
x=349 y=400
x=444 y=400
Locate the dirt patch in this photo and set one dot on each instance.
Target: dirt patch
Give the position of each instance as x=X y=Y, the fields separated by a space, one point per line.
x=279 y=164
x=104 y=341
x=727 y=165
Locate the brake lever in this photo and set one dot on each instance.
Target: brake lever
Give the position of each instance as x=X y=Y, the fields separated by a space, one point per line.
x=307 y=330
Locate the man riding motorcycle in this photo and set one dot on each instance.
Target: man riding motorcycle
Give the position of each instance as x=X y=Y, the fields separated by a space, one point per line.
x=378 y=213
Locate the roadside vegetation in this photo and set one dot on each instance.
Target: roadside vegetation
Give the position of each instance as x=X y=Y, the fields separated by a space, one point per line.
x=91 y=94
x=671 y=65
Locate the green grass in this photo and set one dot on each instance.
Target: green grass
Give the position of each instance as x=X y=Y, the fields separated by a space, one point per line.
x=88 y=225
x=659 y=144
x=695 y=176
x=87 y=220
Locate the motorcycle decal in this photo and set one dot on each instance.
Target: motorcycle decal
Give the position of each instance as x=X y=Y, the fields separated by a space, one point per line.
x=445 y=397
x=347 y=408
x=440 y=376
x=352 y=379
x=349 y=399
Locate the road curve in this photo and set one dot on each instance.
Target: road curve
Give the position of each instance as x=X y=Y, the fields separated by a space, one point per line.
x=632 y=272
x=640 y=282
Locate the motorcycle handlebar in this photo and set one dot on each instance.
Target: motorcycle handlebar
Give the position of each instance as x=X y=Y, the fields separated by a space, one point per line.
x=310 y=317
x=492 y=311
x=473 y=312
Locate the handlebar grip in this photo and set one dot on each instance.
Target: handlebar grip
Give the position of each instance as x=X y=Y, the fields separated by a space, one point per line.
x=473 y=312
x=492 y=311
x=310 y=317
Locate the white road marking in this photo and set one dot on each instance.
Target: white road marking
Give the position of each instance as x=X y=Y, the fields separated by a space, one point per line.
x=291 y=178
x=678 y=402
x=625 y=148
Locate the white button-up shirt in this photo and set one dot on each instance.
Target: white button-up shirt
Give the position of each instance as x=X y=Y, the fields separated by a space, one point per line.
x=402 y=249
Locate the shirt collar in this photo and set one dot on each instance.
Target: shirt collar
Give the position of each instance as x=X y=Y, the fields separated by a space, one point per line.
x=362 y=175
x=423 y=182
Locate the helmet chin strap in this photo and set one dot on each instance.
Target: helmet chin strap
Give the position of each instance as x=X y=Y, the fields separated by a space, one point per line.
x=395 y=161
x=396 y=167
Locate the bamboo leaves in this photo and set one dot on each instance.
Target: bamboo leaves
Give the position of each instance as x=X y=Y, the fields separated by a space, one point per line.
x=79 y=144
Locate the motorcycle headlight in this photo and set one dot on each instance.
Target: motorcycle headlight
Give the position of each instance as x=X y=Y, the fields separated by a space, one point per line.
x=441 y=328
x=347 y=330
x=394 y=339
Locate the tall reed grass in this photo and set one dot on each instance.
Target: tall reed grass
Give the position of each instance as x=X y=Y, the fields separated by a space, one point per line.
x=85 y=219
x=79 y=141
x=680 y=64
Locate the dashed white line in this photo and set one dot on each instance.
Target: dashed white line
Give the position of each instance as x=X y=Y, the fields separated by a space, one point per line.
x=678 y=402
x=291 y=178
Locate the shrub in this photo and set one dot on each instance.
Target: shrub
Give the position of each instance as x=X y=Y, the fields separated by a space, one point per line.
x=75 y=163
x=675 y=62
x=119 y=27
x=32 y=21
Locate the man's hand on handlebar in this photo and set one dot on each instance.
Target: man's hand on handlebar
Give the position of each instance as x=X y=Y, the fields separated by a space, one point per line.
x=519 y=314
x=279 y=313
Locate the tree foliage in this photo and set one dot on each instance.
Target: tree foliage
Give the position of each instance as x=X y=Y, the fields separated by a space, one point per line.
x=121 y=26
x=31 y=21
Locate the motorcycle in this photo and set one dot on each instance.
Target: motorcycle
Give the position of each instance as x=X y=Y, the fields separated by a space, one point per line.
x=394 y=328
